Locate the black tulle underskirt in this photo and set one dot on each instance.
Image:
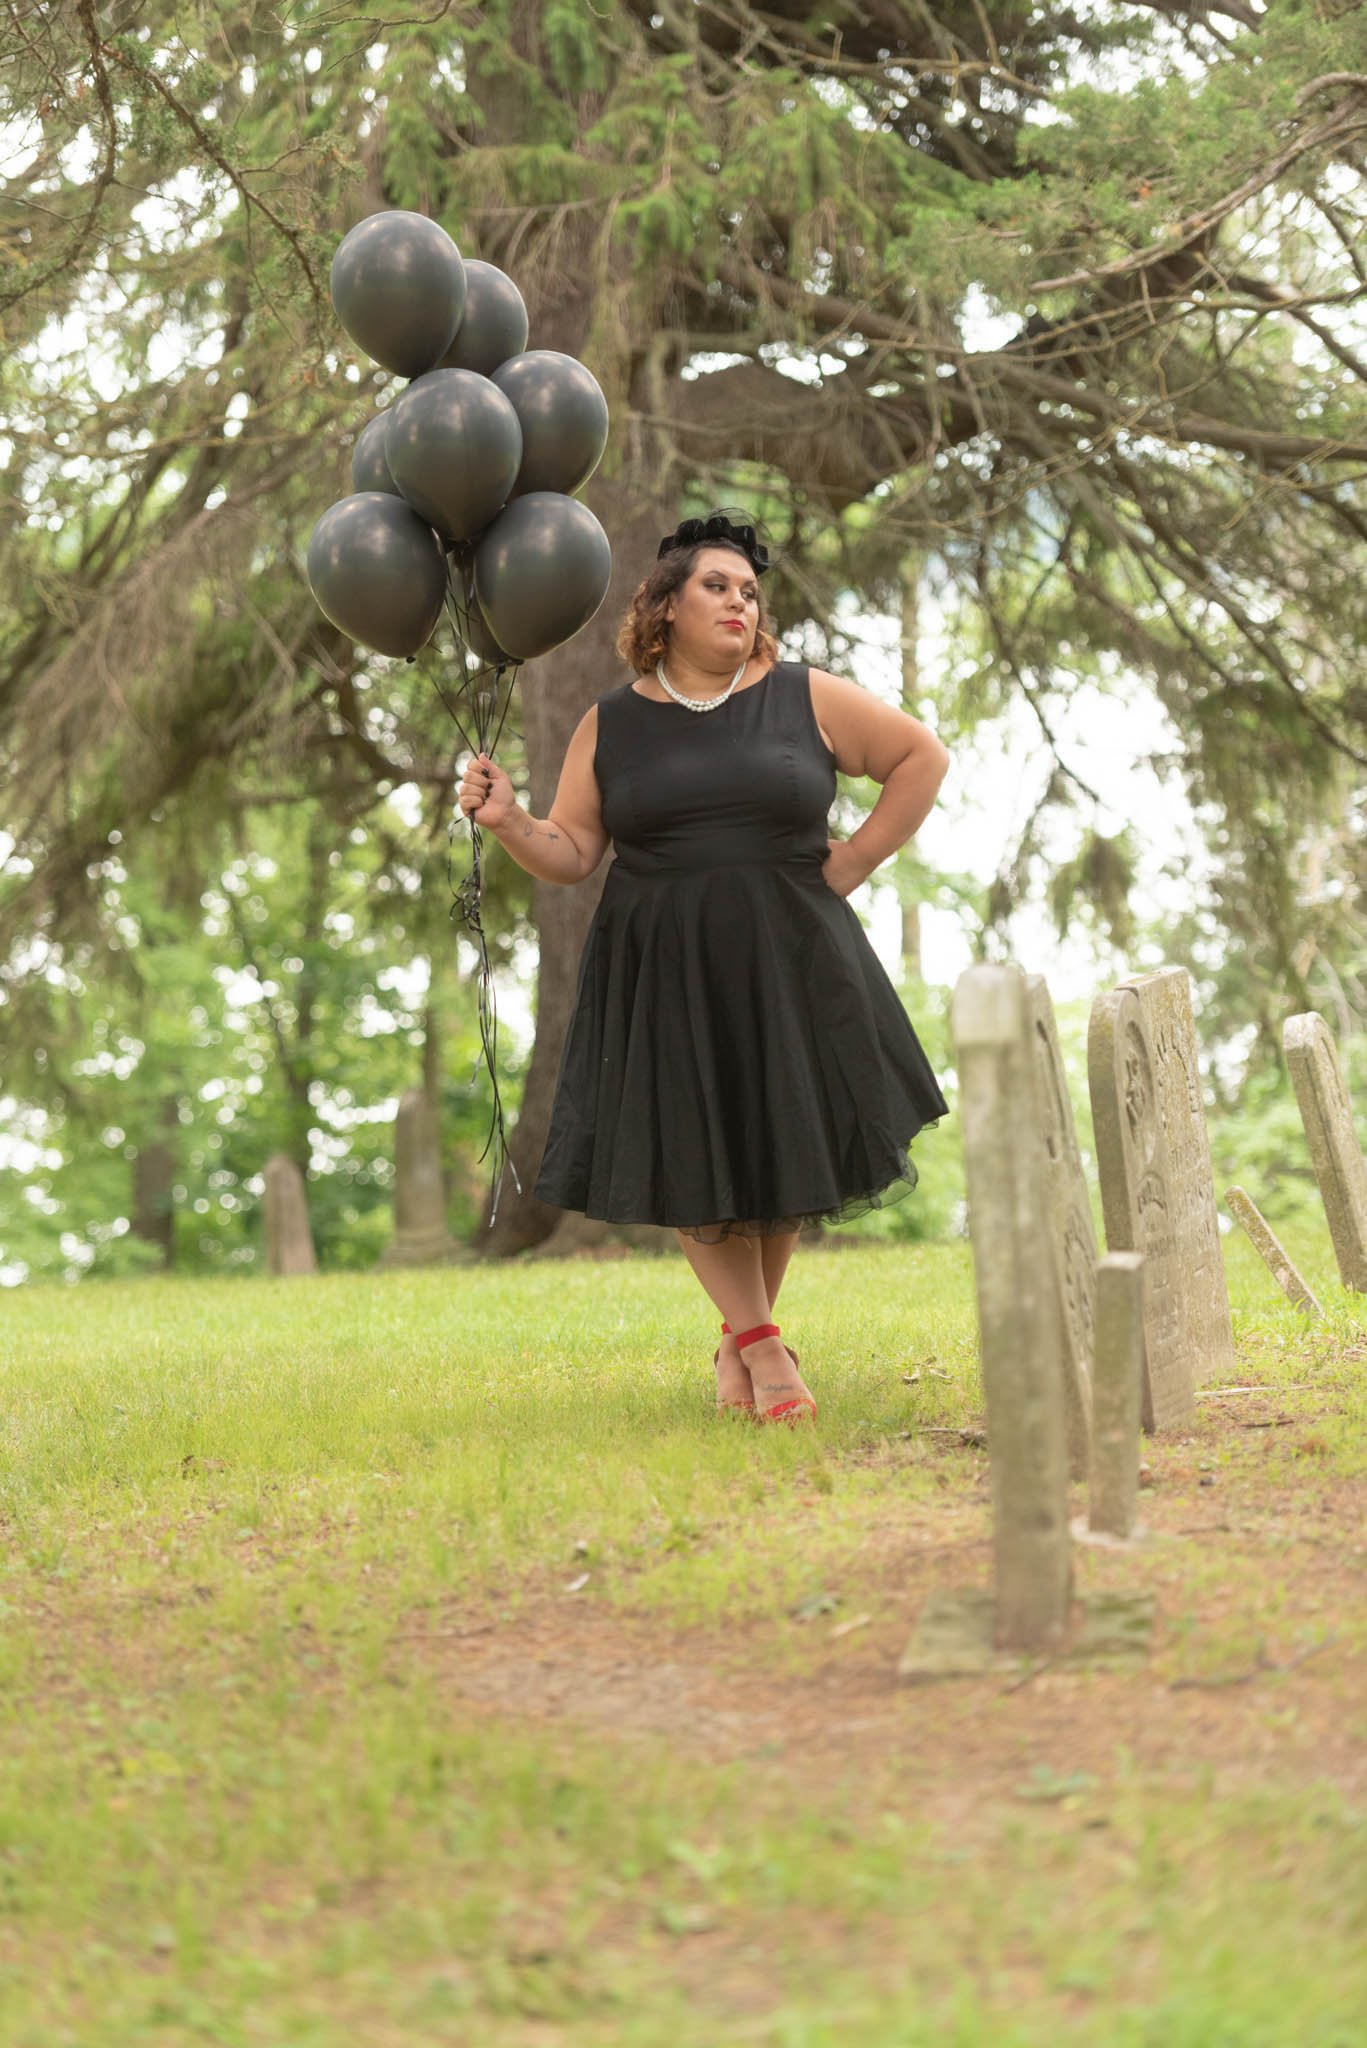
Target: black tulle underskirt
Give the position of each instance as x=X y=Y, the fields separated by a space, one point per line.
x=847 y=1211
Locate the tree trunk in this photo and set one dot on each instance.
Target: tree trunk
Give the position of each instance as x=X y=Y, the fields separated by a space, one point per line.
x=909 y=635
x=909 y=632
x=432 y=1034
x=911 y=940
x=154 y=1173
x=553 y=695
x=431 y=1045
x=299 y=1068
x=565 y=301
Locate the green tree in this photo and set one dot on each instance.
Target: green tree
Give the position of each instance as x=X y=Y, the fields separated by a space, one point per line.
x=160 y=1063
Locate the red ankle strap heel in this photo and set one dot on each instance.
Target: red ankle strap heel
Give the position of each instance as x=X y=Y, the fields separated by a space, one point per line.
x=801 y=1405
x=744 y=1337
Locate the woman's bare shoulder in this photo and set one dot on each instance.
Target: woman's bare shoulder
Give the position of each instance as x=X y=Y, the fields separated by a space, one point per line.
x=823 y=679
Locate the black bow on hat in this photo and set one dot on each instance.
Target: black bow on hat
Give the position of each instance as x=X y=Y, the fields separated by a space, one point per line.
x=689 y=532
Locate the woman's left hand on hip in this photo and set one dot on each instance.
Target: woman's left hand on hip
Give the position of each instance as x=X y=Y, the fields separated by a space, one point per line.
x=842 y=869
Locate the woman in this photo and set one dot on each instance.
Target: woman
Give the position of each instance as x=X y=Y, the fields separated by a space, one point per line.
x=738 y=1063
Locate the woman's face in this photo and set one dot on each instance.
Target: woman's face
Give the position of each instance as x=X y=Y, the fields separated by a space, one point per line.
x=714 y=614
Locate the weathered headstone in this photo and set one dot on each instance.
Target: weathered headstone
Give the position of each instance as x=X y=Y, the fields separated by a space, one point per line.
x=420 y=1234
x=1117 y=1369
x=1019 y=1318
x=289 y=1240
x=1030 y=1612
x=1070 y=1218
x=1271 y=1250
x=1165 y=1006
x=1335 y=1153
x=1136 y=1202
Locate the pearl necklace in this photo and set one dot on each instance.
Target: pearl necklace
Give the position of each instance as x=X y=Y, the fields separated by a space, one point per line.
x=698 y=703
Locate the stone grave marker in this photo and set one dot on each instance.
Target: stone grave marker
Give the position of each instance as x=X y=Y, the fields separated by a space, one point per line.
x=1117 y=1369
x=1029 y=1612
x=420 y=1234
x=1165 y=1005
x=289 y=1240
x=1335 y=1153
x=1019 y=1319
x=1271 y=1250
x=1071 y=1225
x=1136 y=1199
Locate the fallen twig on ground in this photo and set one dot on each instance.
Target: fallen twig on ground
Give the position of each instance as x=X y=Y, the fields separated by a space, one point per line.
x=1256 y=1670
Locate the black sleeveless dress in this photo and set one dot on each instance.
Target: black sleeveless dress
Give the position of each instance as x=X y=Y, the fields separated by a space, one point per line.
x=737 y=1059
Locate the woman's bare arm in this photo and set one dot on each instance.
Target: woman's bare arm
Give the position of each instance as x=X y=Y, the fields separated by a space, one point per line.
x=869 y=737
x=567 y=845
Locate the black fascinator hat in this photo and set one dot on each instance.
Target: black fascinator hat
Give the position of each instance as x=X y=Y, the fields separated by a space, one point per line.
x=718 y=526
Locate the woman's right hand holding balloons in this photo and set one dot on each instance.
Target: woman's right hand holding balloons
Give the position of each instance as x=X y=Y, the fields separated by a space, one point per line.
x=486 y=794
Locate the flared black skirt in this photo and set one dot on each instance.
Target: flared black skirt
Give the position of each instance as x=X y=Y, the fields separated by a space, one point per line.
x=737 y=1060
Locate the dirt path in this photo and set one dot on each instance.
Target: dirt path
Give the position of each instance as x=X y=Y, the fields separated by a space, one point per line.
x=1256 y=1672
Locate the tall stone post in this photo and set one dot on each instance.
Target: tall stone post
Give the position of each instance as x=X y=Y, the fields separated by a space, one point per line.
x=1116 y=1375
x=1070 y=1218
x=1018 y=1307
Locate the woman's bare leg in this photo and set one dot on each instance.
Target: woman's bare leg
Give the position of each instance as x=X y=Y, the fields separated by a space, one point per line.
x=733 y=1379
x=775 y=1252
x=732 y=1274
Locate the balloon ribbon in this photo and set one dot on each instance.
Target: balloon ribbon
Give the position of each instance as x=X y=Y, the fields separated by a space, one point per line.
x=481 y=692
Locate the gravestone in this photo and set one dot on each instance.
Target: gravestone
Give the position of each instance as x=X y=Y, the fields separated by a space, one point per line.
x=1165 y=1006
x=1335 y=1153
x=1071 y=1227
x=420 y=1234
x=1117 y=1369
x=289 y=1240
x=1029 y=1614
x=1136 y=1198
x=1271 y=1250
x=1019 y=1318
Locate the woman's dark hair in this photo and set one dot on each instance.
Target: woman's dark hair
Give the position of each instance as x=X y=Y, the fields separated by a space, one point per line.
x=643 y=637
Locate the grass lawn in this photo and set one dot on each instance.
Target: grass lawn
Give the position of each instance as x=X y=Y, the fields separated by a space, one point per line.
x=415 y=1658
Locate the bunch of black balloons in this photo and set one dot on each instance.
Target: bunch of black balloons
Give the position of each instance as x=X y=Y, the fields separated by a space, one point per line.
x=463 y=499
x=463 y=487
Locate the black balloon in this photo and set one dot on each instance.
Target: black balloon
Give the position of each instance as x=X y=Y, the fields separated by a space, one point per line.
x=398 y=288
x=494 y=325
x=541 y=572
x=564 y=418
x=454 y=448
x=369 y=470
x=378 y=572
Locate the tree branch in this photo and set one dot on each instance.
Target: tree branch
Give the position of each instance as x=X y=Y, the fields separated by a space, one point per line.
x=1334 y=129
x=147 y=75
x=104 y=177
